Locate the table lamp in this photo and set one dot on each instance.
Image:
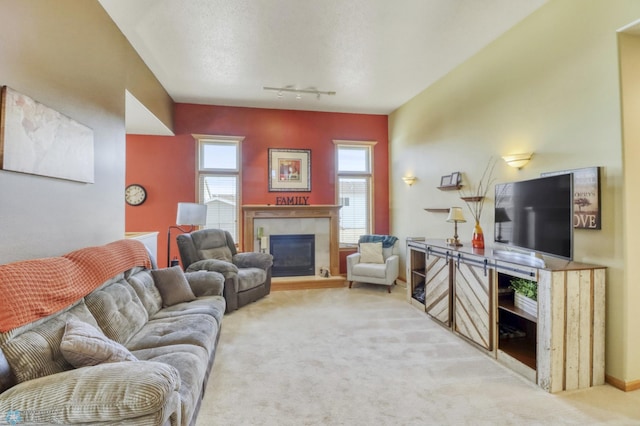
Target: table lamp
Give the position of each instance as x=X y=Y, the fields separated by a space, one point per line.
x=455 y=216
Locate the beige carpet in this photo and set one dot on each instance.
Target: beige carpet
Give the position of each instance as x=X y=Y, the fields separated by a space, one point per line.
x=365 y=357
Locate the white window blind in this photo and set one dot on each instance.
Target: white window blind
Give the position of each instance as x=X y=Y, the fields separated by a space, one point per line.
x=220 y=194
x=354 y=214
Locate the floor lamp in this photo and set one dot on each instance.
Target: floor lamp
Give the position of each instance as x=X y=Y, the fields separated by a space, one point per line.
x=191 y=214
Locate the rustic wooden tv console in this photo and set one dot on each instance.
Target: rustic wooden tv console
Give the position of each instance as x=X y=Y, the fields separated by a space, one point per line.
x=467 y=291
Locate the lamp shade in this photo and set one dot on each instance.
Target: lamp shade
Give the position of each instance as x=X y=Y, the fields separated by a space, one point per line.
x=517 y=160
x=191 y=214
x=455 y=215
x=501 y=215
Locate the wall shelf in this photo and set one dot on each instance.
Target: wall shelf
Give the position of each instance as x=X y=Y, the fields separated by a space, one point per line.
x=472 y=199
x=437 y=210
x=450 y=188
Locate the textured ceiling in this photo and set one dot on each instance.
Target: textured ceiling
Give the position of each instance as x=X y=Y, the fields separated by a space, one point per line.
x=376 y=54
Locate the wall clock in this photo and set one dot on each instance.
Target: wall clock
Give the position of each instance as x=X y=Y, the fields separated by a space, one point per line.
x=135 y=194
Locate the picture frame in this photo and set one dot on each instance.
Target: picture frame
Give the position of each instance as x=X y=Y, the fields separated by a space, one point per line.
x=586 y=197
x=38 y=140
x=455 y=178
x=289 y=170
x=445 y=180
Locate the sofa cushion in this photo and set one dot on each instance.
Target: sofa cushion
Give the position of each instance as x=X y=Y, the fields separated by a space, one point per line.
x=118 y=311
x=197 y=329
x=36 y=352
x=220 y=253
x=249 y=278
x=371 y=270
x=371 y=253
x=208 y=305
x=84 y=345
x=172 y=285
x=142 y=283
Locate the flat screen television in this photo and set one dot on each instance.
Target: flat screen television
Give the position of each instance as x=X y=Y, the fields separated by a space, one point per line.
x=536 y=215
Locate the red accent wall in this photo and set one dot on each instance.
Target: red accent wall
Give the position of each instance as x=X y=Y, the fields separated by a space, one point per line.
x=166 y=166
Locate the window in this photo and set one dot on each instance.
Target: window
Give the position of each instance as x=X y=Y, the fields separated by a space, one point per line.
x=354 y=189
x=218 y=182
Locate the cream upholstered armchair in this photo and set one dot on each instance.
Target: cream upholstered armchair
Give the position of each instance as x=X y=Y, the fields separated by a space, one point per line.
x=247 y=275
x=377 y=261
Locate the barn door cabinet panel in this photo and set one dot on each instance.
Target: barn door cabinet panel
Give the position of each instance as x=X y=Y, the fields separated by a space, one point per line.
x=438 y=285
x=473 y=307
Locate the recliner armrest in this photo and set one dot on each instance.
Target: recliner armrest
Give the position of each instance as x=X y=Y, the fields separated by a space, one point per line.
x=253 y=260
x=206 y=283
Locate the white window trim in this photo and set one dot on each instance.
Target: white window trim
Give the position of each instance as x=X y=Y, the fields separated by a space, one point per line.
x=353 y=143
x=200 y=139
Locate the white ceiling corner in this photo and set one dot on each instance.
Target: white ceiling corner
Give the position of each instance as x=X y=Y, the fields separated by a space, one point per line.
x=376 y=54
x=140 y=121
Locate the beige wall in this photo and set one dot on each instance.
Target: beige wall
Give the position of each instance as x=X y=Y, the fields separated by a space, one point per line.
x=630 y=78
x=69 y=55
x=549 y=86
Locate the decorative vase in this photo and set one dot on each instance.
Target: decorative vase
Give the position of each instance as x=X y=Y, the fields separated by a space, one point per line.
x=477 y=240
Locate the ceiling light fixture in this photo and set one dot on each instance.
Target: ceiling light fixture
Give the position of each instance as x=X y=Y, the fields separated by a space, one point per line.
x=299 y=92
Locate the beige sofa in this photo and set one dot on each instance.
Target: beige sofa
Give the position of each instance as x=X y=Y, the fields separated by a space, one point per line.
x=97 y=337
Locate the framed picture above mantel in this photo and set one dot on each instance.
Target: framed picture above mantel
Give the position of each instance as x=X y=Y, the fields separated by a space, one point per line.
x=289 y=170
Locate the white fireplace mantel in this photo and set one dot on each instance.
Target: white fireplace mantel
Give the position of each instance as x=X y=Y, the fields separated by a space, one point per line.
x=252 y=212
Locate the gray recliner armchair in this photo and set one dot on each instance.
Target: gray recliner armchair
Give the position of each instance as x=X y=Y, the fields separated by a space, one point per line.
x=247 y=275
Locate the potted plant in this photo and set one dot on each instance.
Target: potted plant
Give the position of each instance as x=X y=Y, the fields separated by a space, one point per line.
x=525 y=295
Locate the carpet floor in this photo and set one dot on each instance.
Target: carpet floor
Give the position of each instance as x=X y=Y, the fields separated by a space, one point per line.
x=362 y=356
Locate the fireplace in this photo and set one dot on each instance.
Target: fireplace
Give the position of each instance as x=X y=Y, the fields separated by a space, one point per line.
x=293 y=255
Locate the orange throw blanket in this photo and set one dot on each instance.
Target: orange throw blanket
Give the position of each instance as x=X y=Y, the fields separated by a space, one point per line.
x=34 y=289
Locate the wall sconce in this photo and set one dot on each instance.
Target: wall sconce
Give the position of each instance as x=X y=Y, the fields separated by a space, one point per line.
x=409 y=180
x=455 y=216
x=191 y=214
x=518 y=160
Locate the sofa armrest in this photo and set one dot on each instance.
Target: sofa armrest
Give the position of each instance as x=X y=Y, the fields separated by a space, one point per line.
x=206 y=283
x=253 y=260
x=352 y=260
x=112 y=393
x=227 y=269
x=393 y=266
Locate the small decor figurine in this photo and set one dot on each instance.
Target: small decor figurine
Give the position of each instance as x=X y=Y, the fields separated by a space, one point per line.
x=475 y=202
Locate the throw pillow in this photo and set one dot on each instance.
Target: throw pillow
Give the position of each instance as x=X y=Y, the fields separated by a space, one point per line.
x=172 y=285
x=84 y=345
x=371 y=253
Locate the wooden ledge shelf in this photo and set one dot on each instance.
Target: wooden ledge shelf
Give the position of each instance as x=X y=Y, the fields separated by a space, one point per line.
x=472 y=199
x=437 y=210
x=450 y=188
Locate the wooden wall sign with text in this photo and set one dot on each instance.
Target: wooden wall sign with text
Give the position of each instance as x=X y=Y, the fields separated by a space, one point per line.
x=292 y=201
x=586 y=197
